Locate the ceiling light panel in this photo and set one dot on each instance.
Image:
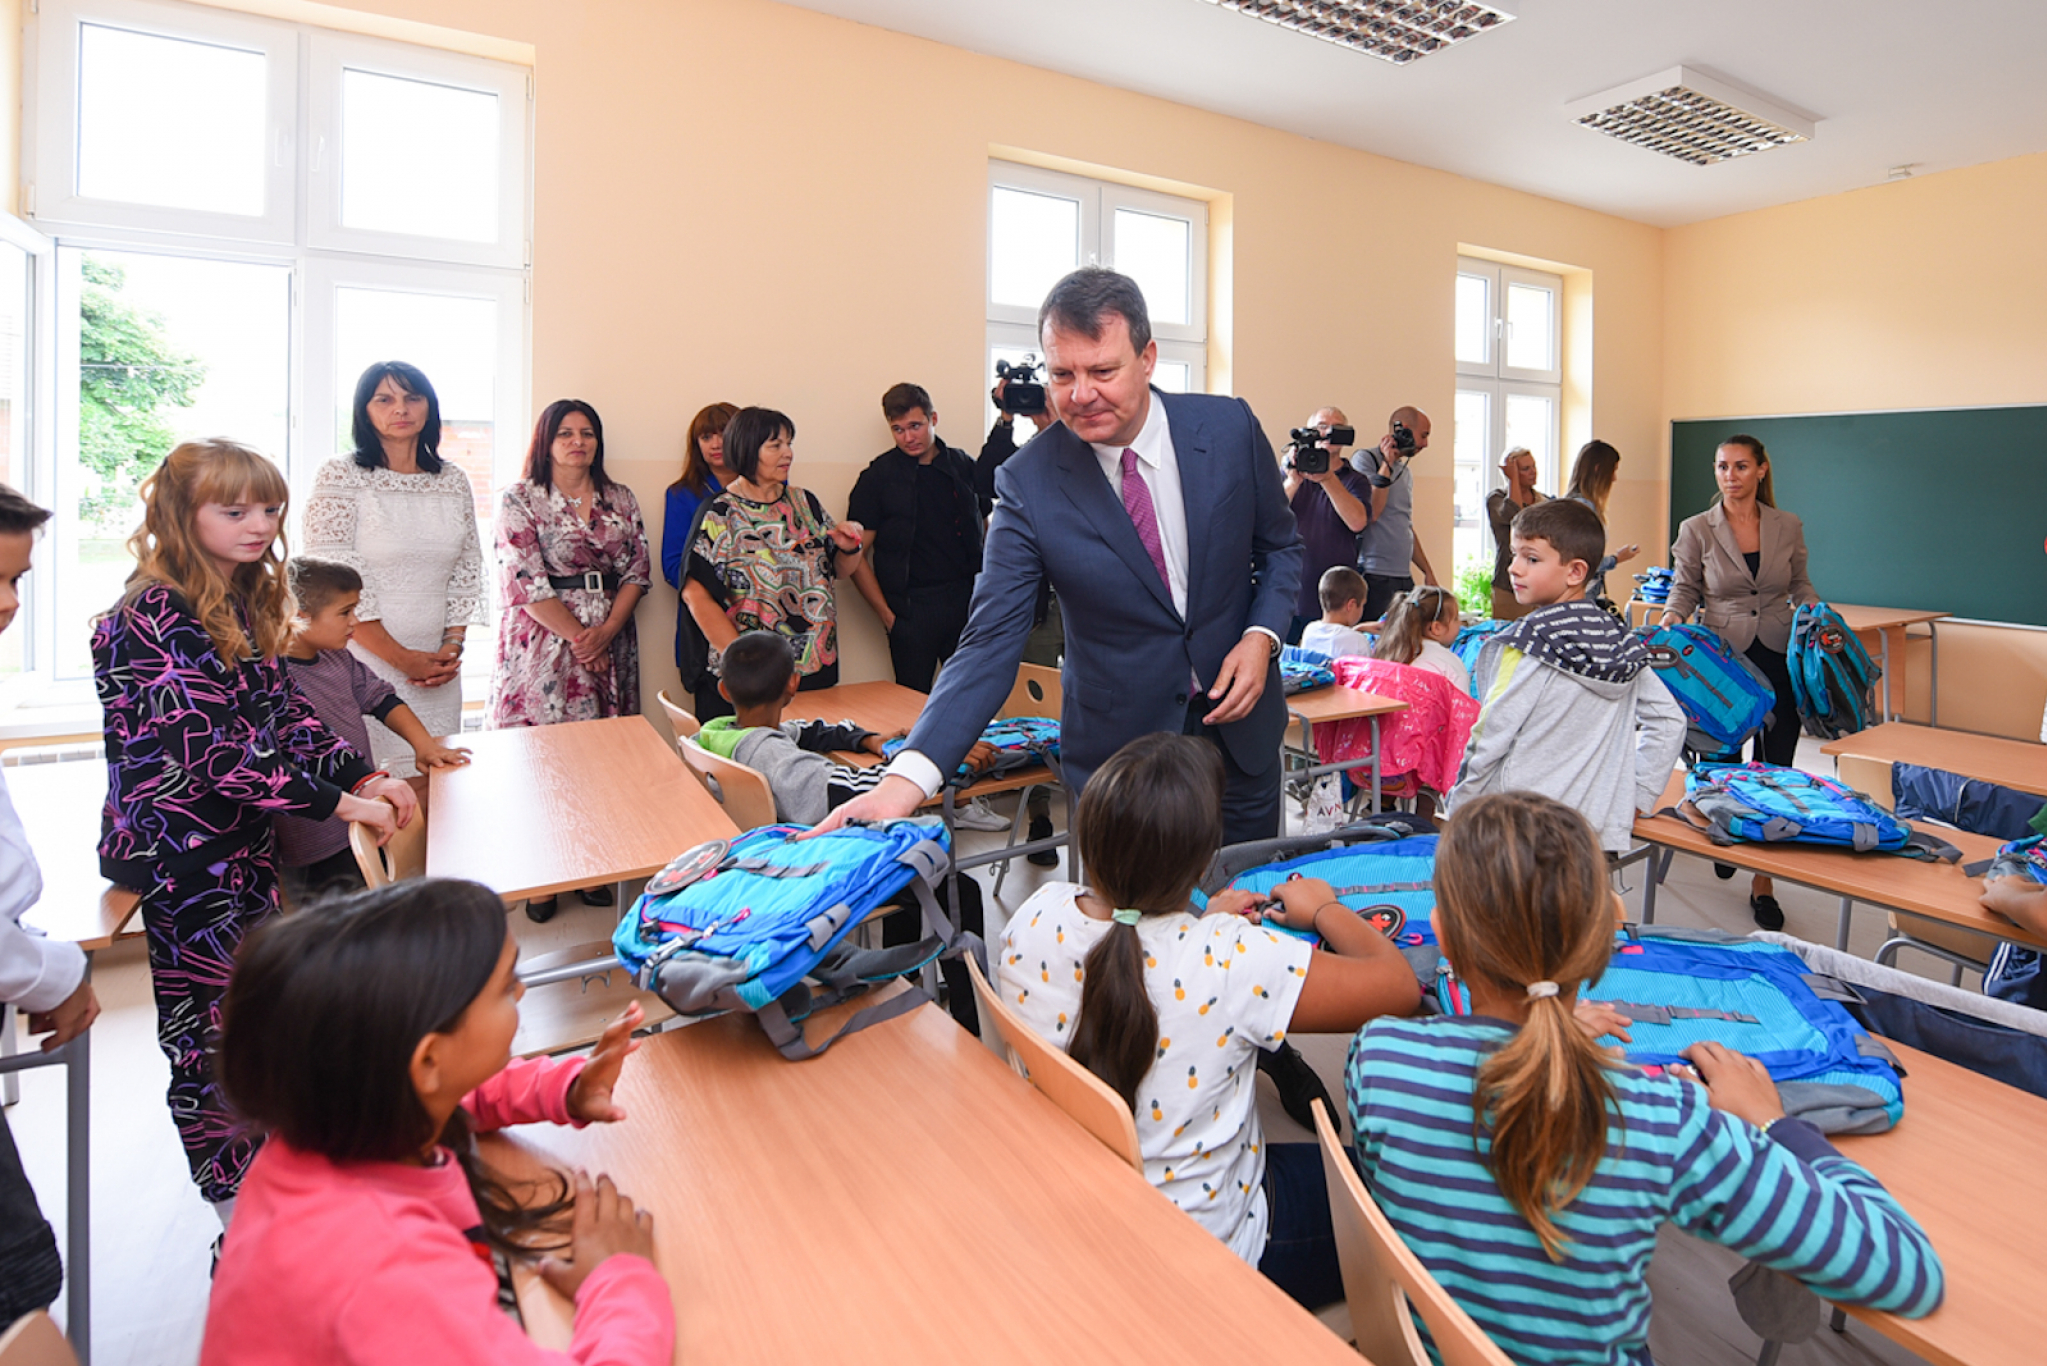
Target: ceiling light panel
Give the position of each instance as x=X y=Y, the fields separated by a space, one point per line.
x=1397 y=31
x=1685 y=114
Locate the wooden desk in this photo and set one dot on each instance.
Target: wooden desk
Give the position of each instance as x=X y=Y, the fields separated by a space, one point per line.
x=59 y=805
x=1951 y=1164
x=2019 y=764
x=1338 y=704
x=1938 y=891
x=546 y=809
x=905 y=1197
x=1885 y=623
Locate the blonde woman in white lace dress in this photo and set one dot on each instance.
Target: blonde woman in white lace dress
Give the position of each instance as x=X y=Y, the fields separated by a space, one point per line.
x=406 y=521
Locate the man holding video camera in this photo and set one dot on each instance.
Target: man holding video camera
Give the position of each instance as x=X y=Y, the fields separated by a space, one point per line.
x=1331 y=503
x=1389 y=550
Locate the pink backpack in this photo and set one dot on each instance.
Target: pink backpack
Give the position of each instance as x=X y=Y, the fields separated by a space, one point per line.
x=1427 y=739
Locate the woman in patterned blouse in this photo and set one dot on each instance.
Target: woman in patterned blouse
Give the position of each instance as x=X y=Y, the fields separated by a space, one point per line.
x=766 y=552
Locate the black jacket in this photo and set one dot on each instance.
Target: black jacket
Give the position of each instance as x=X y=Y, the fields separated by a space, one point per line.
x=884 y=501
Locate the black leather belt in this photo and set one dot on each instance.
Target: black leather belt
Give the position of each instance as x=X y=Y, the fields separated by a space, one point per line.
x=594 y=581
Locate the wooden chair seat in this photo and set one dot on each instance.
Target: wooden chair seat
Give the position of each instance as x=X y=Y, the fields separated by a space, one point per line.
x=1080 y=1093
x=742 y=791
x=33 y=1340
x=680 y=717
x=403 y=855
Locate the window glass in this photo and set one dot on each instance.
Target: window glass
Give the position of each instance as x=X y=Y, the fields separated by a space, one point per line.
x=170 y=122
x=1473 y=540
x=418 y=157
x=1532 y=422
x=1529 y=327
x=1474 y=319
x=167 y=349
x=1173 y=376
x=1034 y=239
x=14 y=451
x=1154 y=250
x=455 y=341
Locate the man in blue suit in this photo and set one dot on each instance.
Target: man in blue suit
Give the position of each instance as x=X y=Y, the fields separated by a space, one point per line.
x=1162 y=525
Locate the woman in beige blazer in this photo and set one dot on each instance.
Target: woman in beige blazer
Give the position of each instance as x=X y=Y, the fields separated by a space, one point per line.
x=1745 y=561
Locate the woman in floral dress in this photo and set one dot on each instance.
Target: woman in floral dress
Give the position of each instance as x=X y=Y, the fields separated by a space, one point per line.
x=766 y=552
x=572 y=565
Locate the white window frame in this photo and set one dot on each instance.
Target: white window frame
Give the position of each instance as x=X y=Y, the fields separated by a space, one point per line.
x=1498 y=277
x=332 y=54
x=35 y=464
x=1016 y=326
x=291 y=233
x=50 y=154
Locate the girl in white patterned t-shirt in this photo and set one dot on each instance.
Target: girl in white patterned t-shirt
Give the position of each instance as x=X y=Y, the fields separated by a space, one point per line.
x=1169 y=1006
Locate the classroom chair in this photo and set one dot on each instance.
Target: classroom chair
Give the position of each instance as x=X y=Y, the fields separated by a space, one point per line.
x=1957 y=947
x=681 y=719
x=742 y=791
x=403 y=855
x=1037 y=692
x=1382 y=1277
x=33 y=1340
x=1085 y=1097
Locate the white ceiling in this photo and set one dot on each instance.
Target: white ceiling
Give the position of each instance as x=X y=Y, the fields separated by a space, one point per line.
x=1940 y=83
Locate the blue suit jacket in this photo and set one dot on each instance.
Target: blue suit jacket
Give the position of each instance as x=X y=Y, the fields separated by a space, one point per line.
x=1129 y=655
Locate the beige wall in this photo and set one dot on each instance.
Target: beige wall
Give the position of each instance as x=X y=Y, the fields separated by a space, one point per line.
x=739 y=200
x=1927 y=293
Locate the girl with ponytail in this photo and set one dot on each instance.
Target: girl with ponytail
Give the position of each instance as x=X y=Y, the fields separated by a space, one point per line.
x=1420 y=630
x=1170 y=1007
x=1537 y=1209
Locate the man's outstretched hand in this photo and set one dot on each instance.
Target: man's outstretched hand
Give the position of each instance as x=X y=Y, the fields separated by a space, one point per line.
x=893 y=798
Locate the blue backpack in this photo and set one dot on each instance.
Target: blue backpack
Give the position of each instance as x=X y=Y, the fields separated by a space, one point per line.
x=1681 y=987
x=1019 y=741
x=1472 y=639
x=1765 y=804
x=740 y=924
x=1725 y=698
x=1304 y=670
x=1832 y=676
x=1654 y=586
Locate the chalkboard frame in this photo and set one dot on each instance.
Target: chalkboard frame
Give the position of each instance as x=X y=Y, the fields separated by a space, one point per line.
x=1933 y=509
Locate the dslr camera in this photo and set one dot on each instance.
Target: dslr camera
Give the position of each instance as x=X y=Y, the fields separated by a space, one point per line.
x=1307 y=455
x=1022 y=394
x=1403 y=439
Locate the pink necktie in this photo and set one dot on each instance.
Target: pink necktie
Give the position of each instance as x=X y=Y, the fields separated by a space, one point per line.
x=1137 y=502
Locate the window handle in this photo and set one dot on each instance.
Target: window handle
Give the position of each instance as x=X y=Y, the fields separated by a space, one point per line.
x=319 y=153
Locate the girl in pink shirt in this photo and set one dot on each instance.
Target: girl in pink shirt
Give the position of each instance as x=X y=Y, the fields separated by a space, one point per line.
x=369 y=1037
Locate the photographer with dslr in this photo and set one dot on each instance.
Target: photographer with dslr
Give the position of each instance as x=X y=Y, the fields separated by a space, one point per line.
x=1388 y=550
x=1331 y=503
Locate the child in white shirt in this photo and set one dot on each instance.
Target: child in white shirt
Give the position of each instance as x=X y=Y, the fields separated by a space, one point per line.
x=1419 y=630
x=1342 y=591
x=1170 y=1006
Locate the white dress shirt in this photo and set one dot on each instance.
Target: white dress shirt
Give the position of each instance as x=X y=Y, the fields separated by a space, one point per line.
x=36 y=974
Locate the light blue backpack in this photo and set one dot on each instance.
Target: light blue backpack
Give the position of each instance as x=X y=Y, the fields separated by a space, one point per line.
x=1832 y=676
x=1725 y=698
x=1766 y=804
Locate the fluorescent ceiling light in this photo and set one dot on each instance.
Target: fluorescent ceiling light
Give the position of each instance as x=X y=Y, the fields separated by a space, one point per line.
x=1397 y=31
x=1685 y=114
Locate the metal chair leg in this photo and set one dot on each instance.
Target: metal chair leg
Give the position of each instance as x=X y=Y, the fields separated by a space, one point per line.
x=1768 y=1356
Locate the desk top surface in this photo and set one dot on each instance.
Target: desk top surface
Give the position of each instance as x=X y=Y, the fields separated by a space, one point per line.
x=59 y=805
x=2020 y=764
x=1941 y=891
x=1882 y=618
x=543 y=809
x=1341 y=704
x=1956 y=1162
x=878 y=1204
x=886 y=708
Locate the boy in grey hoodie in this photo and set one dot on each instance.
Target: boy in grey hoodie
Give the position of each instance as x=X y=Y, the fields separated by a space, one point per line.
x=1572 y=709
x=757 y=675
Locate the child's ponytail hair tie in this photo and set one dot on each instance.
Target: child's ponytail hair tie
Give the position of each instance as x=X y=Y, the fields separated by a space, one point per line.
x=1538 y=991
x=1127 y=917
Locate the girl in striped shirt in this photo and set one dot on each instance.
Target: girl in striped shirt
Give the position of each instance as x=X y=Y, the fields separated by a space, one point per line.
x=1530 y=1170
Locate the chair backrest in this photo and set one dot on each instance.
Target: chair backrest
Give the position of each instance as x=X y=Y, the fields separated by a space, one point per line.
x=403 y=855
x=1036 y=693
x=35 y=1341
x=1085 y=1097
x=1382 y=1277
x=681 y=718
x=742 y=791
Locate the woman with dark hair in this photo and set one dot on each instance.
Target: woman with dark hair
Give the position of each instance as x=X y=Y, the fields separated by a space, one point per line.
x=1744 y=560
x=704 y=475
x=766 y=552
x=405 y=519
x=572 y=565
x=1592 y=475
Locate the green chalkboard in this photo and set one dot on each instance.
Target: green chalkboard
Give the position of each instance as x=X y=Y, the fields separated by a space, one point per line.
x=1941 y=510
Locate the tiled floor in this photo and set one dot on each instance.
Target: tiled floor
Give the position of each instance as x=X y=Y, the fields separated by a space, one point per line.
x=152 y=1233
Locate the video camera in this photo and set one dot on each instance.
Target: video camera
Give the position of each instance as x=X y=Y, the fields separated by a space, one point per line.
x=1307 y=455
x=1022 y=395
